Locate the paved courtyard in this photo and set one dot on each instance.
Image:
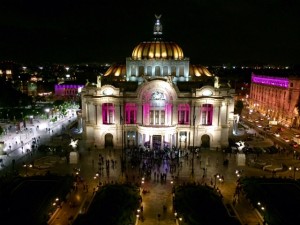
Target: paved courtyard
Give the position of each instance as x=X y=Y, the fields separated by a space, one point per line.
x=207 y=164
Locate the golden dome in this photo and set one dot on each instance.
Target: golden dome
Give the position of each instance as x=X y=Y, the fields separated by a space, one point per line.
x=198 y=71
x=157 y=50
x=117 y=70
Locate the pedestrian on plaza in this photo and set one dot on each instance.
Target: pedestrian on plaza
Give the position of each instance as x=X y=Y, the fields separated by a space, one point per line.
x=158 y=216
x=164 y=208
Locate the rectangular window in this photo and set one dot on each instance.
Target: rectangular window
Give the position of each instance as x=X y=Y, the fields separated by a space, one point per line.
x=183 y=113
x=162 y=119
x=132 y=117
x=108 y=112
x=156 y=117
x=151 y=117
x=130 y=113
x=203 y=118
x=206 y=114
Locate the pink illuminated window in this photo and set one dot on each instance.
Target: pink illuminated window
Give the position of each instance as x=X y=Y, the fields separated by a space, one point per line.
x=130 y=113
x=108 y=113
x=206 y=114
x=183 y=114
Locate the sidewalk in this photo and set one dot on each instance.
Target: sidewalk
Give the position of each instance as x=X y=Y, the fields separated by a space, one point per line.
x=153 y=202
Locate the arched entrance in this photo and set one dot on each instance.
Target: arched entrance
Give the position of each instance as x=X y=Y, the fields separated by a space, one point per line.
x=205 y=140
x=109 y=140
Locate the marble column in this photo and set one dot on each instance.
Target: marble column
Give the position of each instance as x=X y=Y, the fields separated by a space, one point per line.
x=150 y=141
x=100 y=114
x=162 y=142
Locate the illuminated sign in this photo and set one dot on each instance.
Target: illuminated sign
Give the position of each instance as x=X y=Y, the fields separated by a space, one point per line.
x=273 y=81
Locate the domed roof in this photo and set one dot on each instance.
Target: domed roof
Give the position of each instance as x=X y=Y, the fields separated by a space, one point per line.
x=199 y=70
x=117 y=70
x=157 y=49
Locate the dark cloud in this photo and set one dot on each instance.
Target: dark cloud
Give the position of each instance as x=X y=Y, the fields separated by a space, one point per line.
x=108 y=30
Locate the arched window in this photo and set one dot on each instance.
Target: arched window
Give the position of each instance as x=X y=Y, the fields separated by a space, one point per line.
x=133 y=70
x=173 y=71
x=141 y=71
x=149 y=71
x=165 y=71
x=157 y=71
x=181 y=71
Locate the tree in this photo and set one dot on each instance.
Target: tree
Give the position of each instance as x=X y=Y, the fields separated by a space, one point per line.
x=58 y=103
x=239 y=105
x=1 y=130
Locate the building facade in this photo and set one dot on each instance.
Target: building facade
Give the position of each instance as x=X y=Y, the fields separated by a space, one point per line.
x=157 y=100
x=276 y=97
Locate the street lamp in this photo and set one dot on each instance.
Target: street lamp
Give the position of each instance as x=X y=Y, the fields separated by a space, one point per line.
x=180 y=220
x=26 y=166
x=238 y=173
x=194 y=119
x=294 y=169
x=217 y=176
x=262 y=209
x=47 y=110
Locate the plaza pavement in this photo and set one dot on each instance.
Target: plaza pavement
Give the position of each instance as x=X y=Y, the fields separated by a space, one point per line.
x=161 y=193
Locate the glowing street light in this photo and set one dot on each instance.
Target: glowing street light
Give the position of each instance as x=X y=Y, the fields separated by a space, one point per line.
x=47 y=110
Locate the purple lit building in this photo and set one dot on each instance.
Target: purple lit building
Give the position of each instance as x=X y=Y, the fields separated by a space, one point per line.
x=67 y=91
x=157 y=99
x=276 y=97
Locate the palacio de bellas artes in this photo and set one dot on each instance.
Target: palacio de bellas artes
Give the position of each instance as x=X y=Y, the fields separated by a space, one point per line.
x=158 y=100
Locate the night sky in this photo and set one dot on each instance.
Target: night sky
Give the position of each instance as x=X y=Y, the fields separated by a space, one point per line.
x=208 y=31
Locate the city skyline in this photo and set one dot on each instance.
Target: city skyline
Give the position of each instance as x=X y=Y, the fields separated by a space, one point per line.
x=209 y=32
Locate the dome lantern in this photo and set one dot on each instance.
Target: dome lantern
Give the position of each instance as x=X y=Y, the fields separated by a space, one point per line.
x=157 y=48
x=157 y=30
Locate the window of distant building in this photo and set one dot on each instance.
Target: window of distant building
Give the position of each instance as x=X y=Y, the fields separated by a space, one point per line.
x=108 y=113
x=291 y=85
x=149 y=71
x=206 y=114
x=130 y=113
x=141 y=70
x=173 y=70
x=133 y=70
x=181 y=71
x=183 y=114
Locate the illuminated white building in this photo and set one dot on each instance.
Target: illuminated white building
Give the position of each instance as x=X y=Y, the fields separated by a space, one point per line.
x=157 y=100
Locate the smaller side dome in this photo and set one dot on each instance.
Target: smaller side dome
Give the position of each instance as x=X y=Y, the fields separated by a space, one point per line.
x=116 y=70
x=198 y=71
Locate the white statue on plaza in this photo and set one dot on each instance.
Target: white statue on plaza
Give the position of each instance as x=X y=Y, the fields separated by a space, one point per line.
x=98 y=81
x=74 y=143
x=216 y=84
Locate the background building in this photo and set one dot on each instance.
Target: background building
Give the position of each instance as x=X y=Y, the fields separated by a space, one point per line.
x=157 y=100
x=276 y=97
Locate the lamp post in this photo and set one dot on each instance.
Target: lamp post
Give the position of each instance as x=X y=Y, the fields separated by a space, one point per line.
x=216 y=176
x=263 y=210
x=122 y=138
x=193 y=149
